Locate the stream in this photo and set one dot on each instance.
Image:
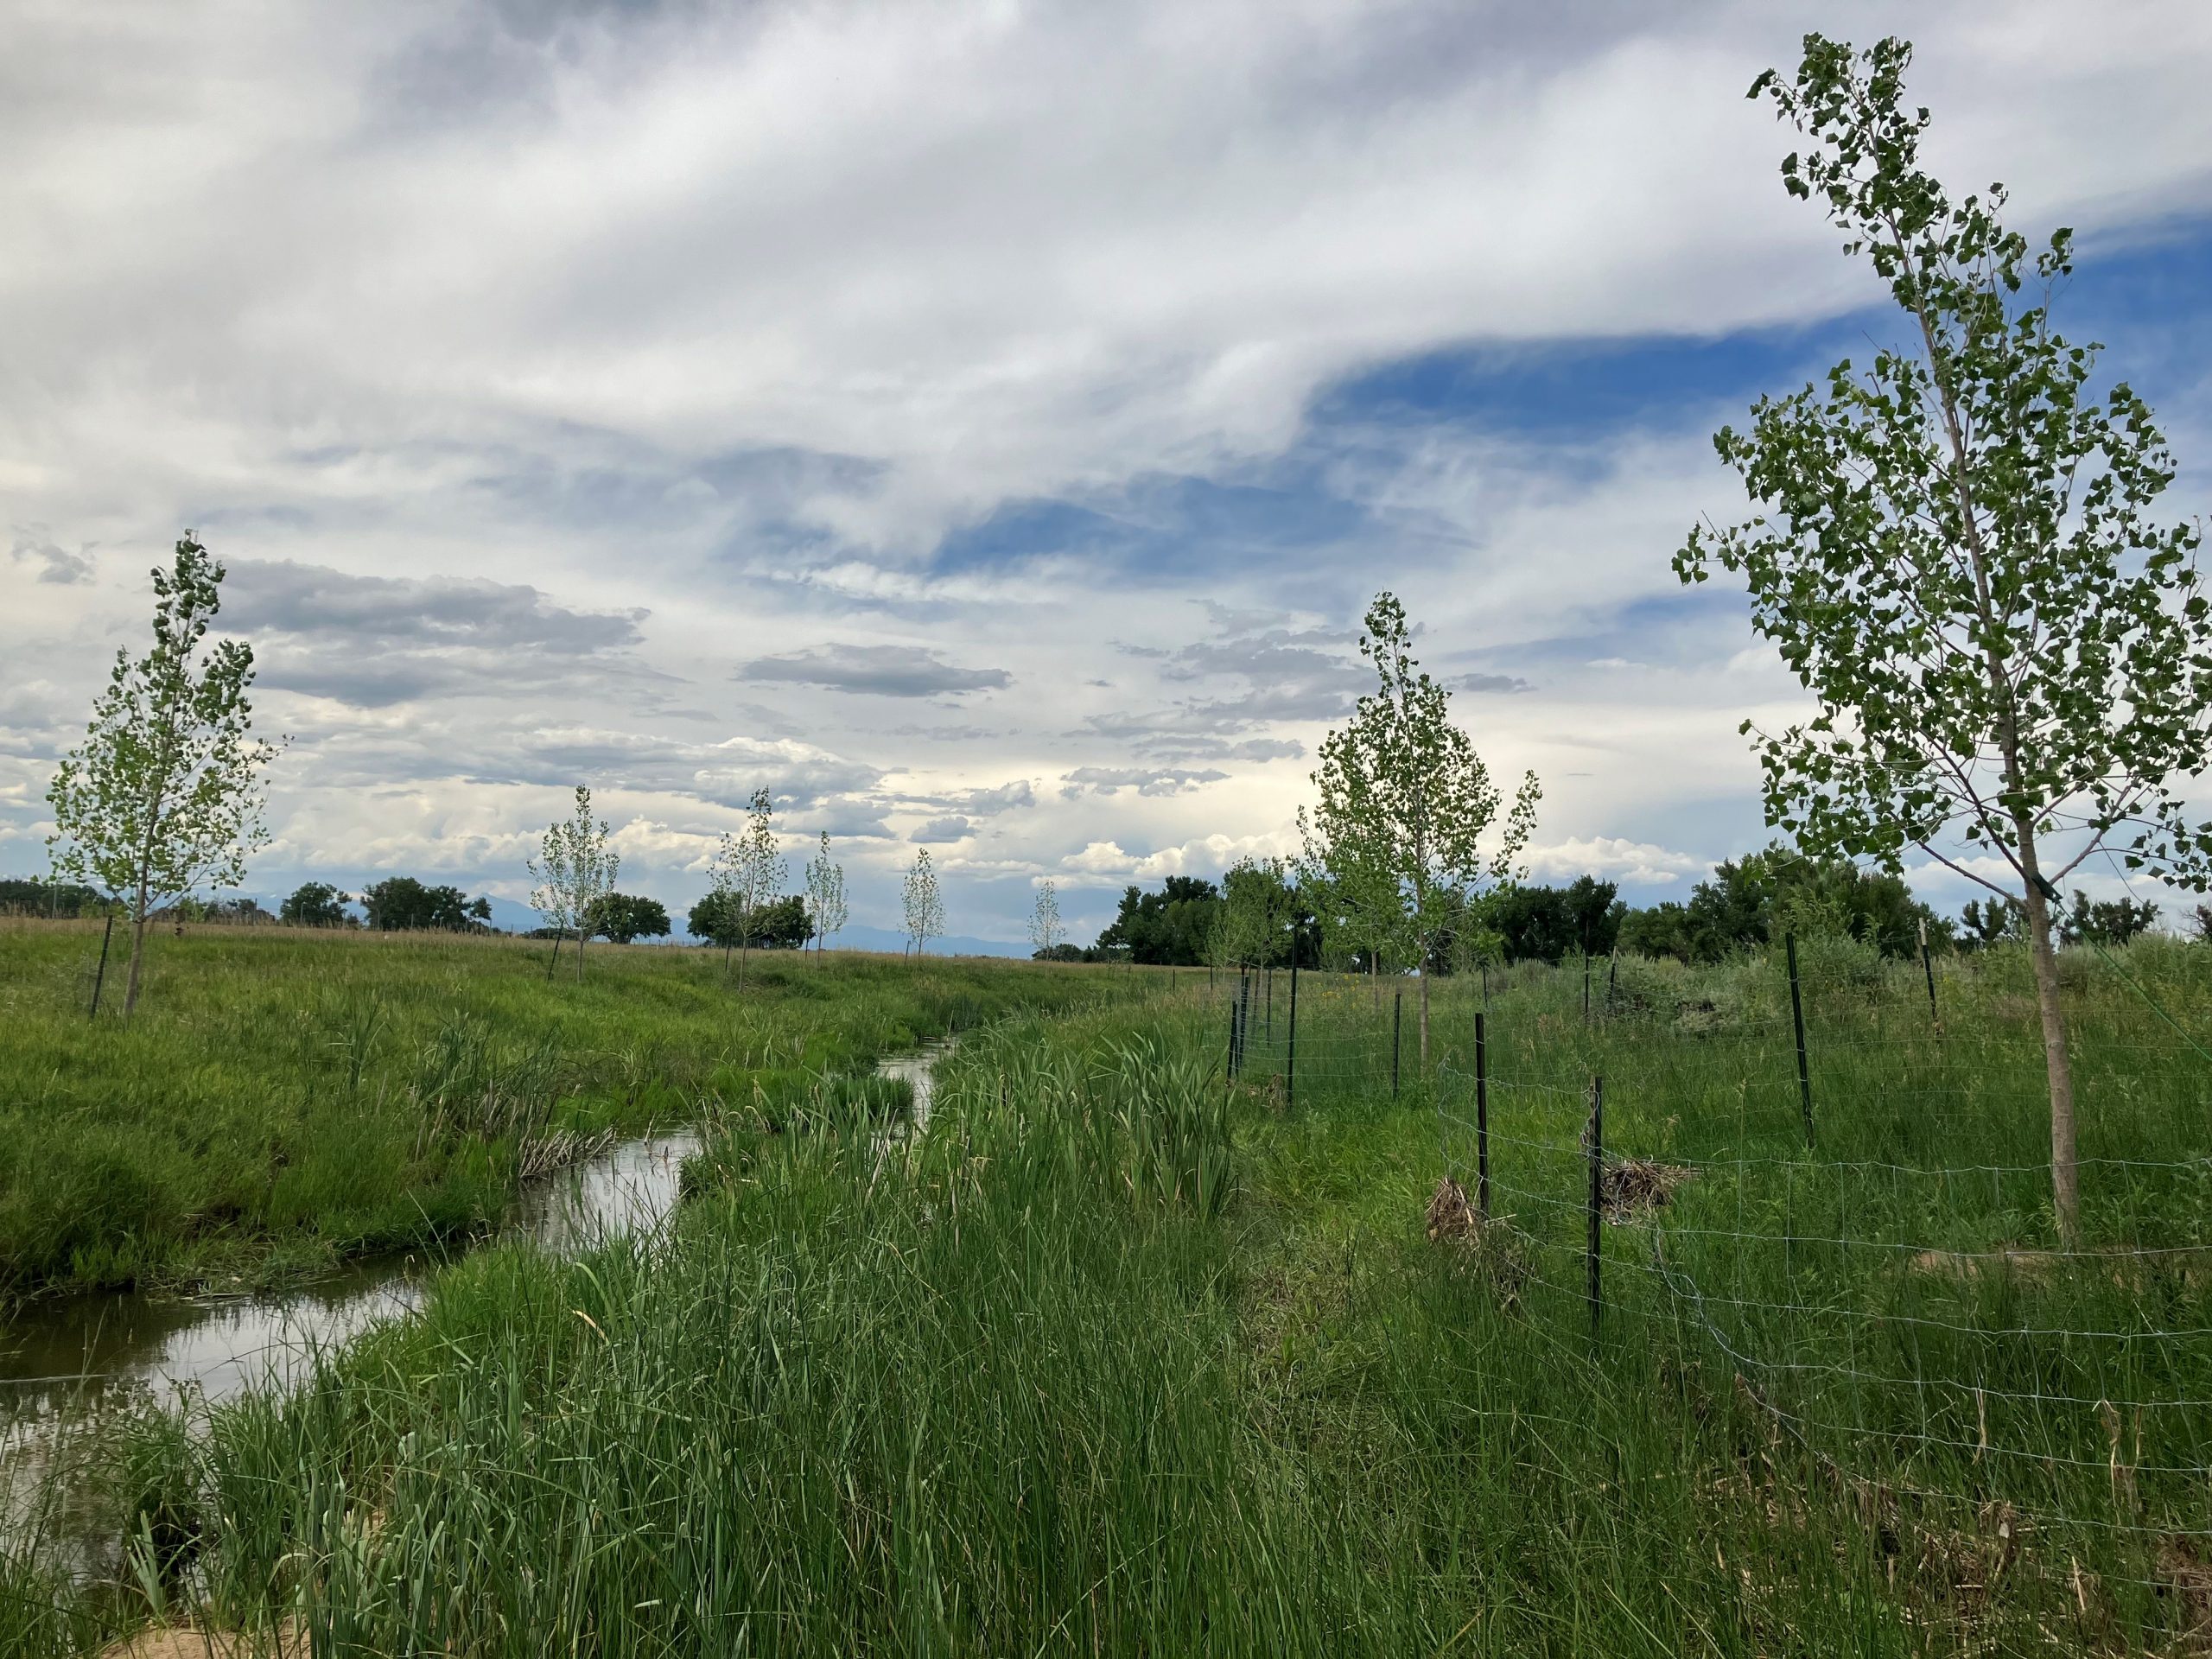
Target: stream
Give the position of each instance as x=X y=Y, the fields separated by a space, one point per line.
x=62 y=1360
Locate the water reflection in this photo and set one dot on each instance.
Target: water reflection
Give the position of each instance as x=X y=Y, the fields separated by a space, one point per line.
x=63 y=1360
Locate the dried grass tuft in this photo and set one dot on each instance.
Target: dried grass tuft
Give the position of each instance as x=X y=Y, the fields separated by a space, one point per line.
x=1630 y=1188
x=1451 y=1214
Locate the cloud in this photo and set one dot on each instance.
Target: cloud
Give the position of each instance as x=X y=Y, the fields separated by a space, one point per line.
x=1288 y=673
x=947 y=733
x=647 y=841
x=35 y=720
x=375 y=641
x=574 y=243
x=943 y=829
x=799 y=776
x=876 y=671
x=449 y=328
x=1208 y=856
x=56 y=565
x=1101 y=858
x=1631 y=861
x=1005 y=797
x=1109 y=780
x=283 y=597
x=1173 y=746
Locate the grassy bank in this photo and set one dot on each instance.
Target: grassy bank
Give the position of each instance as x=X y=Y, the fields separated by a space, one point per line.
x=1116 y=1359
x=286 y=1098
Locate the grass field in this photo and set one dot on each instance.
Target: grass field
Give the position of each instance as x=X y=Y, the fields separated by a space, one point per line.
x=286 y=1098
x=1114 y=1358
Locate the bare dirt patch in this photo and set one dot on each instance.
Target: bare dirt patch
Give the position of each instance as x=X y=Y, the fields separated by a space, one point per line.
x=182 y=1641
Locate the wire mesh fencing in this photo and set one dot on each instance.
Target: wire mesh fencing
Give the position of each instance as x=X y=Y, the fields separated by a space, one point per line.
x=1829 y=1180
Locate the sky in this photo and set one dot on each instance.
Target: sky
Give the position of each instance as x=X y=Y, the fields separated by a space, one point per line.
x=982 y=424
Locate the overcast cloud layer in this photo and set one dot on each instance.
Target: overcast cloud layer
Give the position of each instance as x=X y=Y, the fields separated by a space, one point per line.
x=980 y=424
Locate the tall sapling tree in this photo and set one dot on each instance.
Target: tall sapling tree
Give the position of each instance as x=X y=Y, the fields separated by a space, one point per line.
x=163 y=796
x=1953 y=553
x=1046 y=931
x=825 y=892
x=749 y=872
x=1406 y=804
x=924 y=910
x=575 y=865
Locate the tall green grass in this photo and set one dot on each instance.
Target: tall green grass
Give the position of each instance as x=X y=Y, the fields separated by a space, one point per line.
x=285 y=1099
x=1888 y=1294
x=1119 y=1358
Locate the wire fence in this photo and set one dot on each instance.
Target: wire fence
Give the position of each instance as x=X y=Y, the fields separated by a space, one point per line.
x=1830 y=1182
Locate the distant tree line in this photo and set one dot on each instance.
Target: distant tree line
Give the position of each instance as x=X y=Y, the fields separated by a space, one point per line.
x=1258 y=916
x=28 y=896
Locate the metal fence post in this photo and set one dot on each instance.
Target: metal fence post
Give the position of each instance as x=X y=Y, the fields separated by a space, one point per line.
x=1482 y=1119
x=1244 y=1021
x=99 y=978
x=1290 y=1069
x=1928 y=969
x=1398 y=1024
x=1797 y=1019
x=1597 y=1196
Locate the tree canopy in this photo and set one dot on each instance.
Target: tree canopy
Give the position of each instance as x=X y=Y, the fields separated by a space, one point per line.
x=318 y=904
x=775 y=924
x=626 y=918
x=1752 y=900
x=1535 y=924
x=1173 y=926
x=402 y=904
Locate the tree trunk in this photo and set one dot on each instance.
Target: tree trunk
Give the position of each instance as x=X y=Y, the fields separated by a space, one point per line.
x=1424 y=1015
x=744 y=948
x=580 y=953
x=137 y=952
x=2065 y=1173
x=2065 y=1169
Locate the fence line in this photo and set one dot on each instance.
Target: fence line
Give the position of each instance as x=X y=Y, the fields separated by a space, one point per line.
x=1815 y=1191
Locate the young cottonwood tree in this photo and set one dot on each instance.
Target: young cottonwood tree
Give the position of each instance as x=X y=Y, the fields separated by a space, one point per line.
x=1257 y=909
x=825 y=892
x=1953 y=554
x=1357 y=908
x=924 y=910
x=1044 y=929
x=1407 y=804
x=749 y=872
x=163 y=795
x=574 y=867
